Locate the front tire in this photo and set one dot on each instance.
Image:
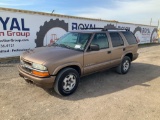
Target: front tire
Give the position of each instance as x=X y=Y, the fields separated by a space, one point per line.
x=66 y=82
x=124 y=67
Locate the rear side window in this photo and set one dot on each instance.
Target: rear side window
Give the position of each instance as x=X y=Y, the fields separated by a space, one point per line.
x=116 y=39
x=130 y=38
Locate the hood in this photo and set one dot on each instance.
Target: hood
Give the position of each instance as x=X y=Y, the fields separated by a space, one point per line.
x=43 y=54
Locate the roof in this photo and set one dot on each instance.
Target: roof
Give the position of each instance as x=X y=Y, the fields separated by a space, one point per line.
x=67 y=16
x=86 y=31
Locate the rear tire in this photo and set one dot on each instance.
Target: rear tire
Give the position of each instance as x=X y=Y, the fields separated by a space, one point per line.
x=124 y=67
x=66 y=82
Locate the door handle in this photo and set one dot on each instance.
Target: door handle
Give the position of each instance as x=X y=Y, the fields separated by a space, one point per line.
x=124 y=49
x=109 y=52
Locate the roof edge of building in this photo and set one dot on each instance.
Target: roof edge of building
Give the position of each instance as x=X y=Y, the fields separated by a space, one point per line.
x=67 y=16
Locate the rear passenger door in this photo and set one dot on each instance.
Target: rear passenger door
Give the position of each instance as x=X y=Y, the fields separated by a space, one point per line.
x=118 y=48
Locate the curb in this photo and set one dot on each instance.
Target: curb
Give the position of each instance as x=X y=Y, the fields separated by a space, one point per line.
x=10 y=60
x=148 y=45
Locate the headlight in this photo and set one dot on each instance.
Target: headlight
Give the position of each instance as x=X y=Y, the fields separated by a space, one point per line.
x=39 y=66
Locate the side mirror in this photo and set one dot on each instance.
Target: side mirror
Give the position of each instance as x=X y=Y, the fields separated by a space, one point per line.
x=93 y=47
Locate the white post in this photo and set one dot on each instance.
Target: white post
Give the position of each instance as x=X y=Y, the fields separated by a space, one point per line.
x=151 y=21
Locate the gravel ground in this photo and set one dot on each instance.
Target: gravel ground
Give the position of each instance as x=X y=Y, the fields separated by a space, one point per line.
x=101 y=96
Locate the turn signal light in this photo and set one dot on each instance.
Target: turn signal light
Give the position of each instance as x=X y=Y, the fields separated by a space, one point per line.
x=41 y=74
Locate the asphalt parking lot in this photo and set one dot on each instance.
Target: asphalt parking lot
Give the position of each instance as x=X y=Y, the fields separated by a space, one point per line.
x=101 y=96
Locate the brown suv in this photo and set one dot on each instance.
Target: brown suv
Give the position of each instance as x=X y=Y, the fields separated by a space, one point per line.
x=77 y=54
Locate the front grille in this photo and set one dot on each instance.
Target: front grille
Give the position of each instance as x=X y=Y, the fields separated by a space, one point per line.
x=27 y=69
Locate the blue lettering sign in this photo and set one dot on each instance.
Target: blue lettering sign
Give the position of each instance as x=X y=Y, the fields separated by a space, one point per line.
x=14 y=24
x=81 y=26
x=4 y=23
x=23 y=27
x=74 y=26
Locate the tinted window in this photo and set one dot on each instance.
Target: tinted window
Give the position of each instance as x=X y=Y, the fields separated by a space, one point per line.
x=101 y=40
x=130 y=37
x=116 y=39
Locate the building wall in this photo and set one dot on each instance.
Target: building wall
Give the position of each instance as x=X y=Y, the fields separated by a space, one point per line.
x=24 y=30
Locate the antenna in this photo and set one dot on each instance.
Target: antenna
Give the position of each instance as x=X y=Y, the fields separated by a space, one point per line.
x=151 y=21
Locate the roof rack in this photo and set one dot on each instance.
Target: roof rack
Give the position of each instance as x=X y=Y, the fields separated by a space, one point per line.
x=106 y=28
x=112 y=27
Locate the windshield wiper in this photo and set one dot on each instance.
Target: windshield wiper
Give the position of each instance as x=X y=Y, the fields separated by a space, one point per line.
x=61 y=45
x=66 y=46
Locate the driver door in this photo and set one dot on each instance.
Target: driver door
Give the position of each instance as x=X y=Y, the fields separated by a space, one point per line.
x=97 y=60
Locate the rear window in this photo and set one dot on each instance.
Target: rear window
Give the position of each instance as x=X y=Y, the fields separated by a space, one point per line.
x=130 y=37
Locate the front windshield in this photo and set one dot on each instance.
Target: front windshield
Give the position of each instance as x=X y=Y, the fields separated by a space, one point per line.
x=74 y=40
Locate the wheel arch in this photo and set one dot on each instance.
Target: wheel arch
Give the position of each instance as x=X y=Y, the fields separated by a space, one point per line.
x=129 y=54
x=74 y=66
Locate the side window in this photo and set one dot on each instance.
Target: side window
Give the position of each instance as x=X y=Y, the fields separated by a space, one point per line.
x=101 y=40
x=130 y=38
x=116 y=39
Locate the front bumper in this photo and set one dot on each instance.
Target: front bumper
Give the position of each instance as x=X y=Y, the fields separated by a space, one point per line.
x=46 y=82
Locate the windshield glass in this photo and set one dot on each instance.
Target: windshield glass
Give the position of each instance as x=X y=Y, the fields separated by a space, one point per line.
x=74 y=40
